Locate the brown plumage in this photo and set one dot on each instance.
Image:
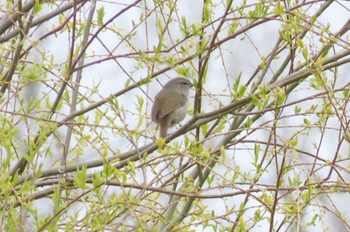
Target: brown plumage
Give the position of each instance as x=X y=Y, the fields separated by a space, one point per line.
x=170 y=104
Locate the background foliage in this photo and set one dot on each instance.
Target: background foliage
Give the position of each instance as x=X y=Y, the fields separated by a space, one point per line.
x=265 y=145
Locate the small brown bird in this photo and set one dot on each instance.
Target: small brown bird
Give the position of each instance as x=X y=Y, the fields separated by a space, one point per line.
x=170 y=104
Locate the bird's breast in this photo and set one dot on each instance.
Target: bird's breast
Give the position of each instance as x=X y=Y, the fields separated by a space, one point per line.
x=177 y=115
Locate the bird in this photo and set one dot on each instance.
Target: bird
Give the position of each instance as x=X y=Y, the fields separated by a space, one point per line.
x=170 y=104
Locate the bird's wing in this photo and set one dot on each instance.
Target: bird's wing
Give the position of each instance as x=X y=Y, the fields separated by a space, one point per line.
x=155 y=110
x=172 y=103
